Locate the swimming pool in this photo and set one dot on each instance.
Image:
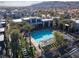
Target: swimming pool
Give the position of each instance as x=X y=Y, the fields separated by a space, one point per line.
x=42 y=35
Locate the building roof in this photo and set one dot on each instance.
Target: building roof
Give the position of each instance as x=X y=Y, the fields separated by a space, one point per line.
x=27 y=18
x=2 y=22
x=2 y=29
x=77 y=21
x=17 y=20
x=1 y=37
x=47 y=19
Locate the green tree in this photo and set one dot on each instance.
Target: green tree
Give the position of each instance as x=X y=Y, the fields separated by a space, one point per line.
x=22 y=44
x=14 y=43
x=28 y=27
x=7 y=34
x=59 y=39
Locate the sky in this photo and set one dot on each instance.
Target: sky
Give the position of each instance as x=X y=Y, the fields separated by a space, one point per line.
x=24 y=2
x=18 y=3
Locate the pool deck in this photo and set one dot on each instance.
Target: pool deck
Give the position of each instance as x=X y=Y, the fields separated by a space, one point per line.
x=38 y=50
x=47 y=42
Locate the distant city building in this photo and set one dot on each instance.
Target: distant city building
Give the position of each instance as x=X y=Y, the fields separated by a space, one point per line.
x=76 y=26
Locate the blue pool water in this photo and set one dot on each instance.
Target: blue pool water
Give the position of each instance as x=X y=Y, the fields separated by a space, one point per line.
x=42 y=35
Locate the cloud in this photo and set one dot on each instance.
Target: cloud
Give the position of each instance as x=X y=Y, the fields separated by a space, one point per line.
x=18 y=3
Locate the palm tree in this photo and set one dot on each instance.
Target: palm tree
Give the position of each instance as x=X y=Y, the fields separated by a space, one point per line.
x=22 y=44
x=11 y=28
x=14 y=43
x=15 y=29
x=20 y=54
x=59 y=39
x=28 y=27
x=7 y=32
x=55 y=23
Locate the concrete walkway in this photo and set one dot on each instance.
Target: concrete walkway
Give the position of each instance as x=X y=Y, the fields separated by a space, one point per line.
x=38 y=50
